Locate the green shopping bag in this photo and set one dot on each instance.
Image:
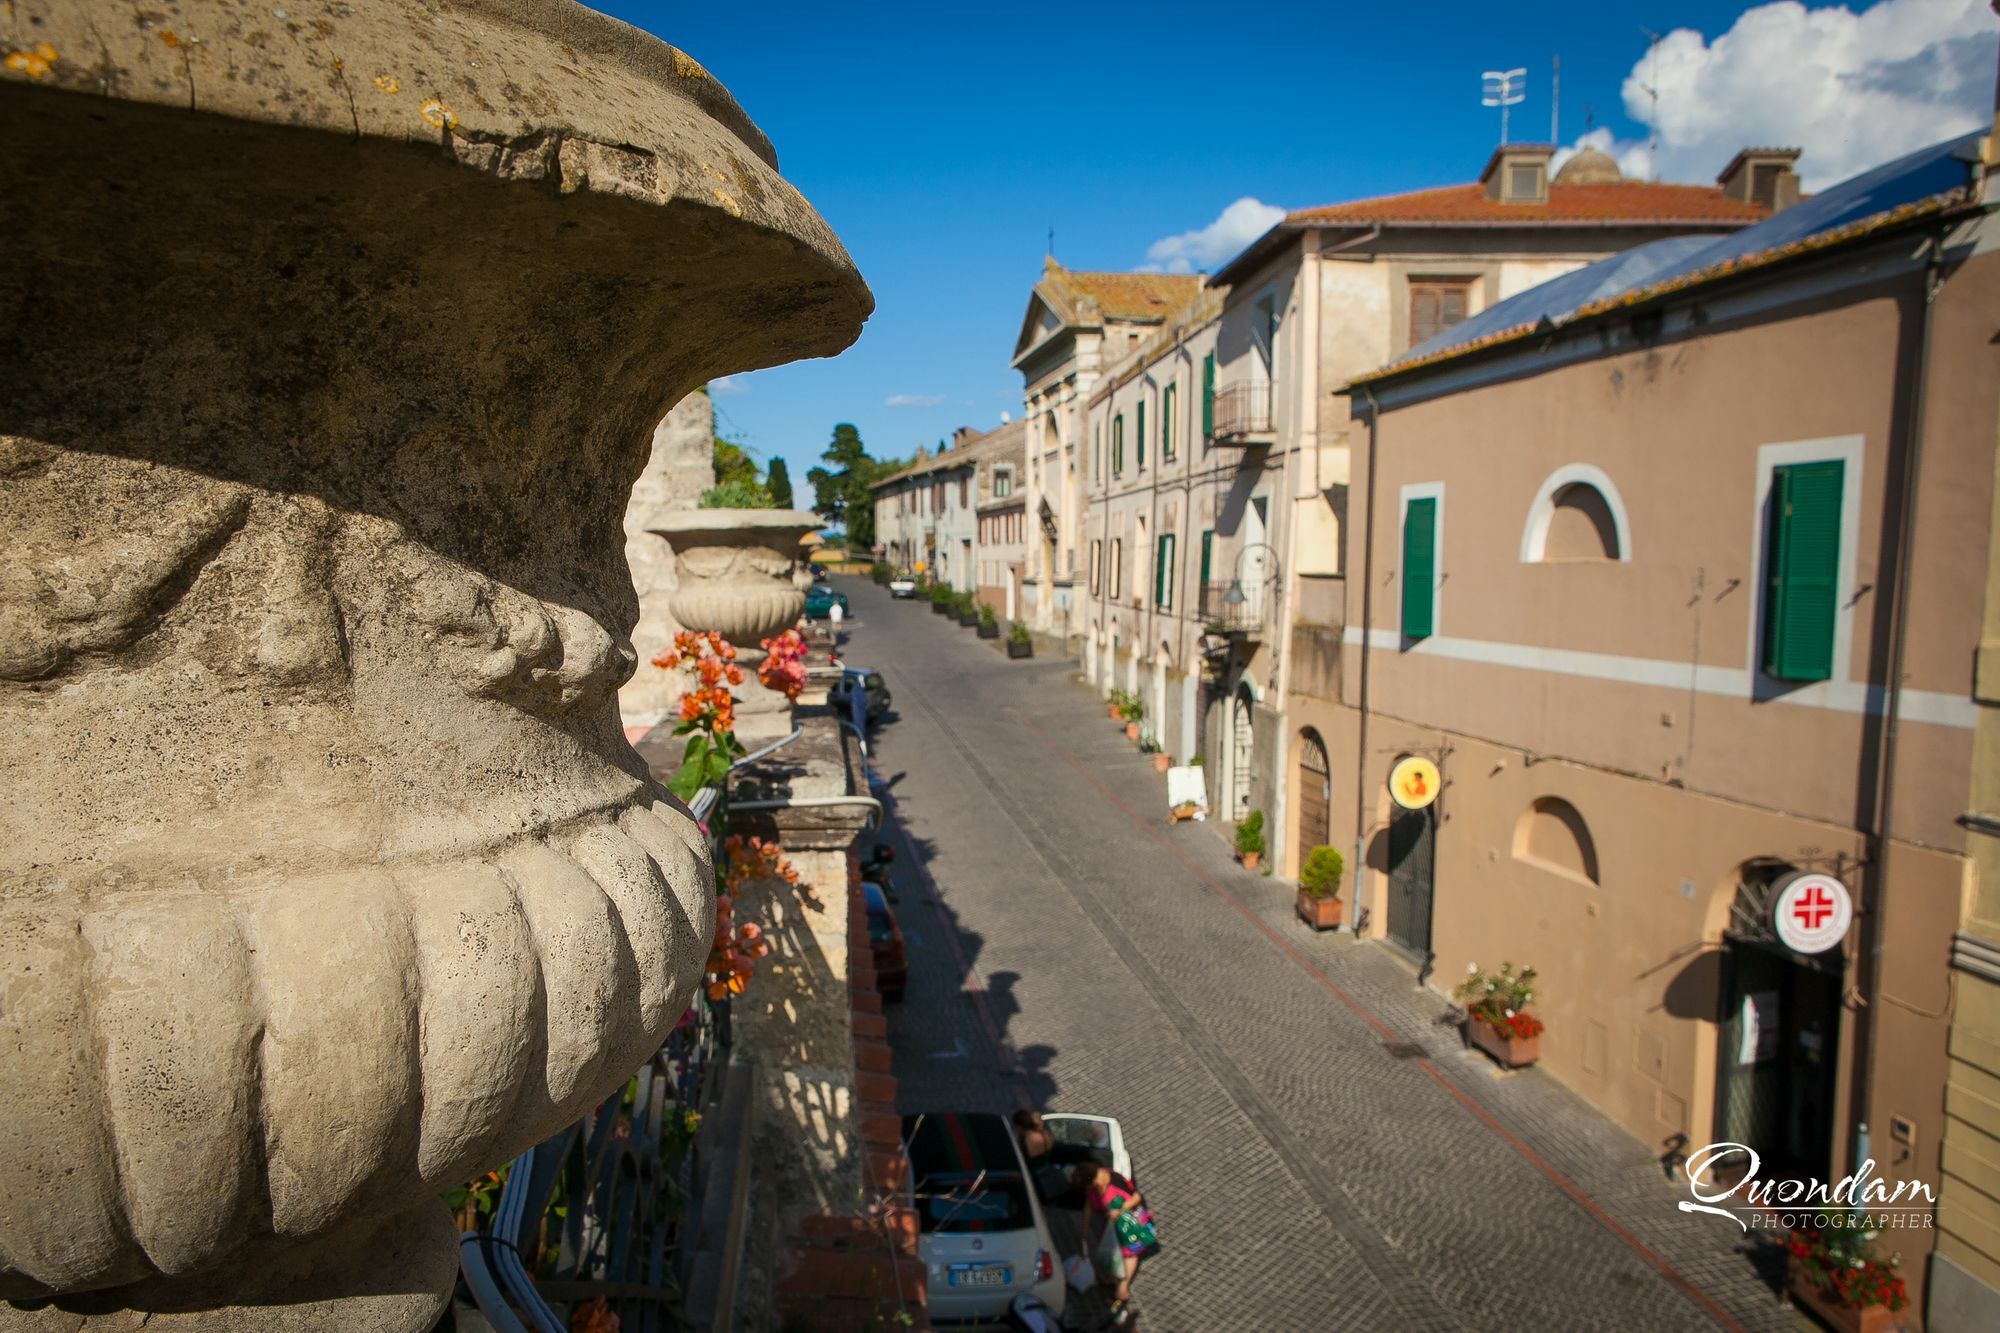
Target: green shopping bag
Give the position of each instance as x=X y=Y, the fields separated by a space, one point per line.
x=1135 y=1231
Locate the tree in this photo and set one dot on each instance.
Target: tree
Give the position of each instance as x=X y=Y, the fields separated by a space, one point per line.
x=733 y=463
x=843 y=495
x=778 y=481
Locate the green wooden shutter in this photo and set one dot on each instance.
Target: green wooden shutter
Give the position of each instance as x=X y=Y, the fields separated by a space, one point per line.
x=1419 y=566
x=1208 y=396
x=1141 y=433
x=1163 y=572
x=1207 y=550
x=1167 y=422
x=1801 y=567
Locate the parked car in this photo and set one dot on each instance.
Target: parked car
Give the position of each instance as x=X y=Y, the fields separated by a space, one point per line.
x=903 y=585
x=981 y=1230
x=866 y=679
x=885 y=943
x=1085 y=1138
x=821 y=599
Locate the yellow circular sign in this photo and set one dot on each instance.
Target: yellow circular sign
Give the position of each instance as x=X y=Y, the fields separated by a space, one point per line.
x=1414 y=782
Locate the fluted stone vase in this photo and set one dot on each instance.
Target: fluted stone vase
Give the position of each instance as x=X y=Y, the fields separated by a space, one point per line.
x=740 y=572
x=737 y=570
x=333 y=342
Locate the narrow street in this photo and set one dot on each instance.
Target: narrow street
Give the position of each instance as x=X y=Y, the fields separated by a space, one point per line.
x=1318 y=1148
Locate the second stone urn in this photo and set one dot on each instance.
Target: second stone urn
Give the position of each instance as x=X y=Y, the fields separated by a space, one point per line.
x=737 y=569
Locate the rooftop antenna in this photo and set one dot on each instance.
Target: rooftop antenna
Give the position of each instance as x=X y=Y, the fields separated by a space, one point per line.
x=1052 y=242
x=1504 y=88
x=1652 y=90
x=1555 y=97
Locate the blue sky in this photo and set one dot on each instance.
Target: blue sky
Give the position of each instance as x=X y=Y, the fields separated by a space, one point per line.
x=942 y=144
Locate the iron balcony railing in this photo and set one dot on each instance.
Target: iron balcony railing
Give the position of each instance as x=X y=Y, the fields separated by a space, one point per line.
x=1243 y=414
x=1218 y=612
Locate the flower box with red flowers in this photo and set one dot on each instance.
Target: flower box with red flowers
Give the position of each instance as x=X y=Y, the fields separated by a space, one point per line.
x=1497 y=1020
x=1832 y=1274
x=1514 y=1040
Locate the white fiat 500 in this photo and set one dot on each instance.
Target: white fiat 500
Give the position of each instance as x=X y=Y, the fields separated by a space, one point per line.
x=983 y=1233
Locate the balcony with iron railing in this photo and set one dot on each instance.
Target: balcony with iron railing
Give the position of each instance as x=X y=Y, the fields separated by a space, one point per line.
x=1243 y=414
x=1224 y=614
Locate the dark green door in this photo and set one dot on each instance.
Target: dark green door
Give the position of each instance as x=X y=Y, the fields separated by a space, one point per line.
x=1411 y=855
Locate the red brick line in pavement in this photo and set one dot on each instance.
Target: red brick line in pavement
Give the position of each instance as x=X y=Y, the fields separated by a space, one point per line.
x=1291 y=951
x=971 y=984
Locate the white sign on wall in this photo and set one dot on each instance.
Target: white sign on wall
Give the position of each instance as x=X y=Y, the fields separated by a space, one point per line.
x=1813 y=913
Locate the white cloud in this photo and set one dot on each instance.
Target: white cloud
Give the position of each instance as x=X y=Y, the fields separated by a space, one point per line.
x=913 y=400
x=1853 y=90
x=729 y=386
x=1221 y=240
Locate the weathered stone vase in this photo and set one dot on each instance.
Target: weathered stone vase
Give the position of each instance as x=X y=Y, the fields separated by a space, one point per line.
x=737 y=569
x=333 y=338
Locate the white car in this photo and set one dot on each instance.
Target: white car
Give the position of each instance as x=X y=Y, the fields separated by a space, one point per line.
x=903 y=585
x=982 y=1232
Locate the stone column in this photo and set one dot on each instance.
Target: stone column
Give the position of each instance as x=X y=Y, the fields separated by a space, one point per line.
x=331 y=348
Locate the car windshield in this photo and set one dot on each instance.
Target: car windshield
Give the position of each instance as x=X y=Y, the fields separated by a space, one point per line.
x=1079 y=1141
x=955 y=1203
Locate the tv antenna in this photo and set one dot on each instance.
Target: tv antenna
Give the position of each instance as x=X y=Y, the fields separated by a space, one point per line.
x=1504 y=88
x=1652 y=89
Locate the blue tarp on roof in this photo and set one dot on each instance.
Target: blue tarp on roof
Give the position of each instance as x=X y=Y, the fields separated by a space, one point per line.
x=1920 y=175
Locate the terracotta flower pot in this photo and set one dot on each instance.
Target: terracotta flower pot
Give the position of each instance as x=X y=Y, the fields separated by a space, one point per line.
x=1162 y=761
x=1111 y=711
x=1319 y=913
x=1840 y=1318
x=1131 y=731
x=1250 y=860
x=1512 y=1052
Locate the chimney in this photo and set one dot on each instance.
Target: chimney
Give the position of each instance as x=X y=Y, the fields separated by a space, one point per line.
x=1762 y=176
x=1518 y=173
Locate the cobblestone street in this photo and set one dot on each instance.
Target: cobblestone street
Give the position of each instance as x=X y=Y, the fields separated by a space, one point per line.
x=1318 y=1146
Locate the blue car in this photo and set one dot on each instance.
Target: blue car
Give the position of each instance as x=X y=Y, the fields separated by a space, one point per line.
x=821 y=599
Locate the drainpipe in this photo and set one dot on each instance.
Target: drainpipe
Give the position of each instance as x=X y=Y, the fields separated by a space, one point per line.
x=1367 y=652
x=1869 y=956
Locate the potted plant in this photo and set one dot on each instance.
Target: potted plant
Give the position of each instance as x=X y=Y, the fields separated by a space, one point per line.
x=1149 y=743
x=1832 y=1274
x=1020 y=643
x=968 y=610
x=1114 y=704
x=1250 y=839
x=1497 y=1020
x=940 y=594
x=1131 y=709
x=1319 y=888
x=989 y=624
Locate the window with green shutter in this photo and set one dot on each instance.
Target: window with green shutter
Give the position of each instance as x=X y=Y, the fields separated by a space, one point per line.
x=1118 y=444
x=1208 y=396
x=1801 y=569
x=1419 y=566
x=1163 y=573
x=1167 y=423
x=1207 y=551
x=1140 y=443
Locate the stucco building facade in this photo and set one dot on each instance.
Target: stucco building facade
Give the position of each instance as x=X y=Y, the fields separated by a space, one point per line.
x=1076 y=324
x=1680 y=582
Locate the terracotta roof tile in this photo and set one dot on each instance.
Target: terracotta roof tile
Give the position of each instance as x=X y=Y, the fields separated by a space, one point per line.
x=1128 y=295
x=1621 y=201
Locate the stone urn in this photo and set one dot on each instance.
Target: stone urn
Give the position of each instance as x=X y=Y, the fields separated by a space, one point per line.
x=327 y=881
x=739 y=572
